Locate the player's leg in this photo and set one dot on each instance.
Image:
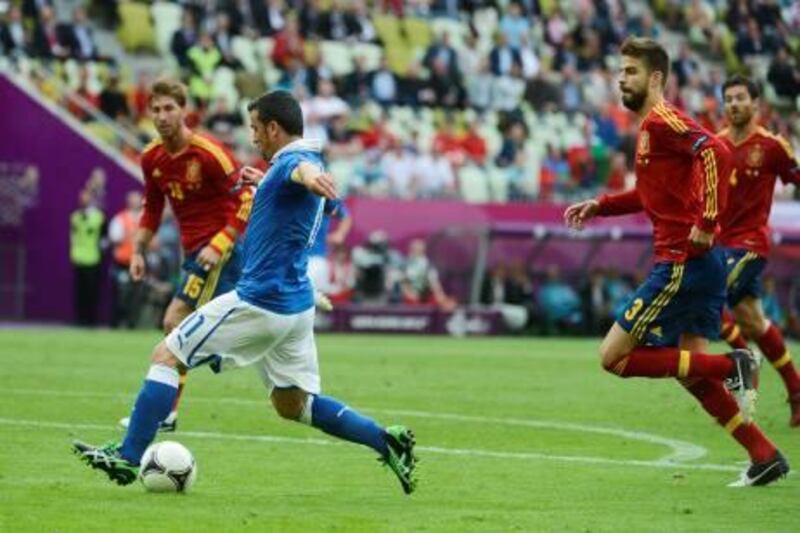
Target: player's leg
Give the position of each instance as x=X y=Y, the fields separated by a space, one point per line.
x=654 y=315
x=155 y=399
x=741 y=267
x=291 y=370
x=176 y=312
x=750 y=314
x=329 y=415
x=767 y=464
x=730 y=331
x=196 y=288
x=204 y=337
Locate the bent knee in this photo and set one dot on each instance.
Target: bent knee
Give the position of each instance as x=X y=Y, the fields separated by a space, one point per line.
x=613 y=362
x=288 y=408
x=753 y=326
x=168 y=324
x=163 y=356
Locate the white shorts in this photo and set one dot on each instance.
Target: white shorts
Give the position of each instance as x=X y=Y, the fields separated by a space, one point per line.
x=228 y=332
x=319 y=273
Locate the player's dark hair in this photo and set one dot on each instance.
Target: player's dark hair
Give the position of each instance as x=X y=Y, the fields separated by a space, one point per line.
x=740 y=80
x=171 y=88
x=281 y=107
x=652 y=54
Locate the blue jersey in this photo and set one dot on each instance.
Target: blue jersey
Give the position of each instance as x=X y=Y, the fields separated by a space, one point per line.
x=333 y=209
x=284 y=223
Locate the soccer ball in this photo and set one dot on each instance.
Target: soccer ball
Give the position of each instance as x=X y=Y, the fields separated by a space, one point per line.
x=167 y=467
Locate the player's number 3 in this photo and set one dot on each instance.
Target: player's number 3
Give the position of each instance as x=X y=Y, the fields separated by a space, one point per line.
x=634 y=309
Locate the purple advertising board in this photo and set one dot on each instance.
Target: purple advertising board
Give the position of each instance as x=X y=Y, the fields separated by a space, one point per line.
x=35 y=226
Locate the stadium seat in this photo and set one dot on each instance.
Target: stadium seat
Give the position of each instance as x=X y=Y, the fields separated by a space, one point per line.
x=337 y=56
x=498 y=183
x=244 y=50
x=223 y=85
x=418 y=32
x=263 y=48
x=342 y=170
x=455 y=29
x=167 y=18
x=370 y=52
x=485 y=21
x=387 y=29
x=101 y=132
x=473 y=184
x=135 y=31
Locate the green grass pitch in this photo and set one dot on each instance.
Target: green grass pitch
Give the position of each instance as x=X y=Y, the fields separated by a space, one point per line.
x=514 y=434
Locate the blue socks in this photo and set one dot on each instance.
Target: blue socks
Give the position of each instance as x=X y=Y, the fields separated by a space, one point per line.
x=153 y=405
x=335 y=418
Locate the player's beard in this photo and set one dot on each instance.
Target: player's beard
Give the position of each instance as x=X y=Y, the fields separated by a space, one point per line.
x=740 y=119
x=634 y=100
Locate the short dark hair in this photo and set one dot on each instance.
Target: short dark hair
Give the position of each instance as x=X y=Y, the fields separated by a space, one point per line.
x=281 y=107
x=171 y=88
x=741 y=80
x=653 y=55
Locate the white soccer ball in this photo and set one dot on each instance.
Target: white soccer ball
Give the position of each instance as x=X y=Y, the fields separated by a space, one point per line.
x=167 y=466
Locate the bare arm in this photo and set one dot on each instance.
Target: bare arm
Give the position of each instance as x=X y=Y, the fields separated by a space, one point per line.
x=140 y=242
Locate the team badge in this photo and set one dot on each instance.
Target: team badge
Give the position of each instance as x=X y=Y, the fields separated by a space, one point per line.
x=755 y=157
x=193 y=174
x=157 y=173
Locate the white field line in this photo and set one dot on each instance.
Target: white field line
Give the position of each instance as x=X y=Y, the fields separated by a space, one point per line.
x=274 y=439
x=681 y=451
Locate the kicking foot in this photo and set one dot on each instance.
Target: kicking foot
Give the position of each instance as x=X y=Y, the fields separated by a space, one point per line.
x=108 y=459
x=740 y=381
x=400 y=456
x=760 y=474
x=165 y=426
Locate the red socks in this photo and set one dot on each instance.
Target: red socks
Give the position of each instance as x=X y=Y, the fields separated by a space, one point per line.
x=730 y=332
x=719 y=403
x=646 y=361
x=772 y=346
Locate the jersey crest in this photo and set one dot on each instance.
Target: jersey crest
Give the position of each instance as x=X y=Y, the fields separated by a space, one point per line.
x=157 y=173
x=755 y=157
x=194 y=174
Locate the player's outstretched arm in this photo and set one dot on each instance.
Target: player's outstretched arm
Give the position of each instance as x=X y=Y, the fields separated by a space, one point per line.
x=578 y=214
x=315 y=180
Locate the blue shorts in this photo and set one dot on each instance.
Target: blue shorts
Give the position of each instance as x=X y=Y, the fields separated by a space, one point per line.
x=198 y=286
x=744 y=270
x=677 y=298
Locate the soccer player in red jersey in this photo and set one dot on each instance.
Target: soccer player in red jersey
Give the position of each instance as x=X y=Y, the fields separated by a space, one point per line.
x=759 y=158
x=199 y=177
x=663 y=331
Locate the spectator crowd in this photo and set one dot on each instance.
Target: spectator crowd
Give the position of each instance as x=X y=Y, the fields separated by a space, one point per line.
x=474 y=100
x=478 y=100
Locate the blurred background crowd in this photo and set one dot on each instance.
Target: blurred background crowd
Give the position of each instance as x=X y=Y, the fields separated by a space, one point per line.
x=464 y=100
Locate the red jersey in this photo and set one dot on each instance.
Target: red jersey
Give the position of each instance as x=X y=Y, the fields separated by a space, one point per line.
x=758 y=161
x=680 y=168
x=200 y=183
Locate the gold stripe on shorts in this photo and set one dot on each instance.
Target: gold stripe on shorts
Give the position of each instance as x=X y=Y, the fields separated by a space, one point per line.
x=212 y=279
x=664 y=297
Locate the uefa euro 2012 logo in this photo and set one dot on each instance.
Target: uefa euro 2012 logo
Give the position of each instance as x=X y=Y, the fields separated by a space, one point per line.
x=19 y=190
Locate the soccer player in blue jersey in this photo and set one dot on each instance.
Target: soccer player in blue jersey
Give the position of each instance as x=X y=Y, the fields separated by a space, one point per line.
x=267 y=321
